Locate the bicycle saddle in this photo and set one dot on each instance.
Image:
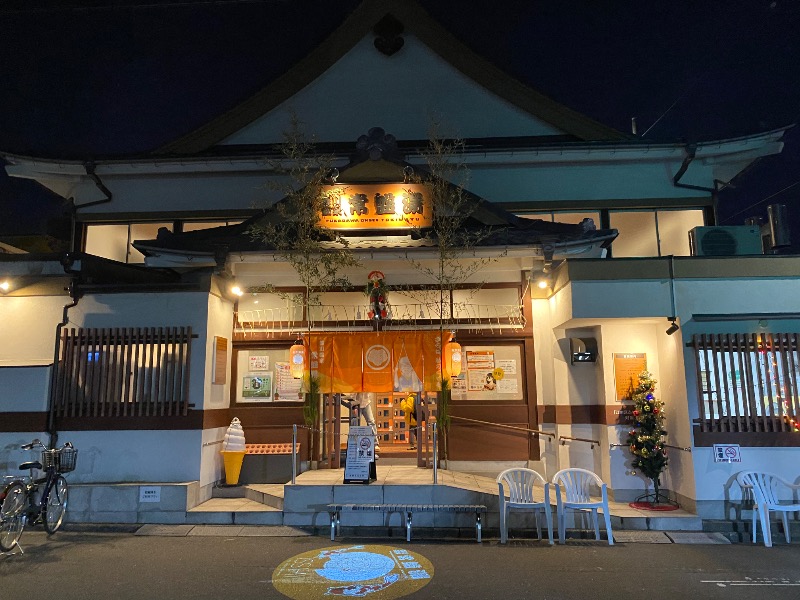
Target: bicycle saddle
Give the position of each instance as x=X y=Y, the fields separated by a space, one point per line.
x=32 y=464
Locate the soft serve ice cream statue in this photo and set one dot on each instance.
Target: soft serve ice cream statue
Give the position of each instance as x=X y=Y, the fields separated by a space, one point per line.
x=233 y=451
x=234 y=437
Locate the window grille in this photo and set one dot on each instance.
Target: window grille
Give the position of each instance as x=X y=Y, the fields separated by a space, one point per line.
x=123 y=372
x=747 y=382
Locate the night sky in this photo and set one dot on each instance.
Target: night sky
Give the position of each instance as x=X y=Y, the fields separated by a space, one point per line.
x=83 y=79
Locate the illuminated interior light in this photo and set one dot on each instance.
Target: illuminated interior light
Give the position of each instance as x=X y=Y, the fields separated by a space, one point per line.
x=542 y=284
x=5 y=285
x=236 y=290
x=398 y=203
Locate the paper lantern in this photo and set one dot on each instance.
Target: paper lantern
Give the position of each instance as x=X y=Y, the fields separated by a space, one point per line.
x=452 y=358
x=297 y=360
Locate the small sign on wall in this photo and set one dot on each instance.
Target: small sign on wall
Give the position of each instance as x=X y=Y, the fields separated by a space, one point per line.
x=727 y=453
x=626 y=372
x=149 y=493
x=220 y=365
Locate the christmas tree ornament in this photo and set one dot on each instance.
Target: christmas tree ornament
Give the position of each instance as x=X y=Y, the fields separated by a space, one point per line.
x=646 y=441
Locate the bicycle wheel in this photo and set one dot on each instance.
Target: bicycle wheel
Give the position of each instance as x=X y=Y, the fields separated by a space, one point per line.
x=12 y=516
x=55 y=505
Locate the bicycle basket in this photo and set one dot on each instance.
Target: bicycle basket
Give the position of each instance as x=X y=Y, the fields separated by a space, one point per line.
x=63 y=460
x=49 y=459
x=67 y=459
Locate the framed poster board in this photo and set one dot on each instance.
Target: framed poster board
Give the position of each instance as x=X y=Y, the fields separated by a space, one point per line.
x=627 y=367
x=490 y=373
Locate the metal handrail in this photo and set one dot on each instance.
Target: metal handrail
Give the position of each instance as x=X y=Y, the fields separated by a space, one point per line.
x=684 y=448
x=563 y=439
x=534 y=431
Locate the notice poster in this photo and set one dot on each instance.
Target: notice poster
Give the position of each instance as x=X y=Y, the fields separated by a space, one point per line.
x=480 y=365
x=509 y=366
x=286 y=386
x=626 y=373
x=257 y=388
x=507 y=385
x=259 y=362
x=458 y=385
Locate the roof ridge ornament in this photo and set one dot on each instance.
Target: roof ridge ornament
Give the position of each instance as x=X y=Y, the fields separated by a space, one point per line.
x=377 y=145
x=388 y=38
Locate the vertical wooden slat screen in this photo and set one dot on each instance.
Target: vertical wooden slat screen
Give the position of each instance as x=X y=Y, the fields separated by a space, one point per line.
x=763 y=397
x=123 y=372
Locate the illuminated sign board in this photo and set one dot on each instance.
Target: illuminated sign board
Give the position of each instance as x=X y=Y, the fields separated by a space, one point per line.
x=376 y=206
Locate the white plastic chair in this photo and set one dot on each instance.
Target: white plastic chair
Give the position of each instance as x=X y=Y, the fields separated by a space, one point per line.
x=576 y=485
x=520 y=483
x=765 y=487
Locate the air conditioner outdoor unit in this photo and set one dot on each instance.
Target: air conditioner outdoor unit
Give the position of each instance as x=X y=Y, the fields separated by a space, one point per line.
x=725 y=241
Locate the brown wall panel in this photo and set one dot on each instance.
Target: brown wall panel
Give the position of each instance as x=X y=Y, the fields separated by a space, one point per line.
x=590 y=414
x=480 y=442
x=23 y=421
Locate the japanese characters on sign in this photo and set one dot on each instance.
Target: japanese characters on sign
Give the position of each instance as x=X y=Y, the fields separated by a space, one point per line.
x=383 y=206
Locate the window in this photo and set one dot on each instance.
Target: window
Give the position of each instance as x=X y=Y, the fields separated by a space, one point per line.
x=564 y=216
x=123 y=372
x=114 y=241
x=653 y=233
x=747 y=382
x=637 y=233
x=198 y=225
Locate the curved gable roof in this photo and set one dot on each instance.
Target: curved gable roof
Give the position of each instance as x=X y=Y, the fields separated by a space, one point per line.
x=359 y=25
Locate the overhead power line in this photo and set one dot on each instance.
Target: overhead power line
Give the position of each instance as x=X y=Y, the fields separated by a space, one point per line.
x=788 y=187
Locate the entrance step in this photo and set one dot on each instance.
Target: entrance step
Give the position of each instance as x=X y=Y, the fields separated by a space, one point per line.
x=234 y=511
x=742 y=531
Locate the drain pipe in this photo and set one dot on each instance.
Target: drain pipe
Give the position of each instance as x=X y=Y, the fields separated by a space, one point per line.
x=90 y=172
x=691 y=151
x=66 y=262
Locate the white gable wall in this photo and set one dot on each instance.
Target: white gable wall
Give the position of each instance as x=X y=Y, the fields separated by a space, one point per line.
x=403 y=94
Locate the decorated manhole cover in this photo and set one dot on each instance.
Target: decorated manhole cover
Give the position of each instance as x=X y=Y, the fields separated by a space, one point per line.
x=380 y=572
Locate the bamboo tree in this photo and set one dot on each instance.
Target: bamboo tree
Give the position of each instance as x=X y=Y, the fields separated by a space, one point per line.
x=456 y=262
x=319 y=256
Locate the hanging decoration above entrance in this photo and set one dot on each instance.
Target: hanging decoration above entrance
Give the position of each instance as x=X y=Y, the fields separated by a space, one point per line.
x=376 y=206
x=381 y=361
x=378 y=296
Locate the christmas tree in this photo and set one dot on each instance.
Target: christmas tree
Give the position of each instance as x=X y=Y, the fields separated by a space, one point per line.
x=646 y=439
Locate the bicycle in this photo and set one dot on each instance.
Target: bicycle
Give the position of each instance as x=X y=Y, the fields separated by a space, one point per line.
x=36 y=500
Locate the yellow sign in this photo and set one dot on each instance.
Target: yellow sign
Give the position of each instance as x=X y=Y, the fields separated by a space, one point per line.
x=626 y=373
x=376 y=206
x=379 y=572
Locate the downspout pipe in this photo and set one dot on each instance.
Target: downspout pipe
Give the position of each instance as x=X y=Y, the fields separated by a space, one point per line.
x=691 y=151
x=66 y=262
x=91 y=174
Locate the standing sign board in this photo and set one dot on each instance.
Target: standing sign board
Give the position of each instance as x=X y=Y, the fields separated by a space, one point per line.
x=360 y=464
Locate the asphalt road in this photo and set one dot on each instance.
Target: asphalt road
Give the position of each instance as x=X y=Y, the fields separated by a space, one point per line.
x=72 y=565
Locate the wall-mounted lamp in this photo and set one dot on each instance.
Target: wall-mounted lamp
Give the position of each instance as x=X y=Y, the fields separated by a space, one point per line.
x=673 y=326
x=541 y=279
x=582 y=350
x=236 y=290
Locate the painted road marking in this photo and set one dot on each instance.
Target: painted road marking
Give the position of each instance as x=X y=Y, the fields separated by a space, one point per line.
x=380 y=572
x=757 y=581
